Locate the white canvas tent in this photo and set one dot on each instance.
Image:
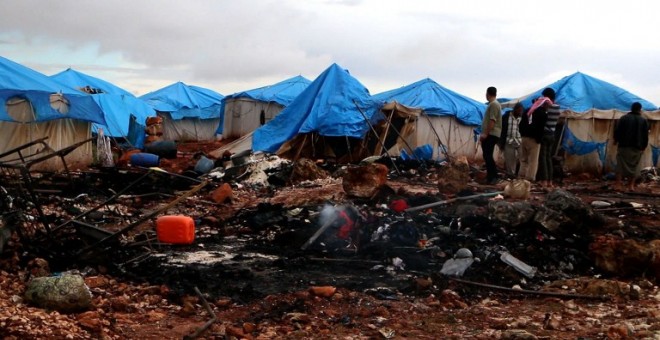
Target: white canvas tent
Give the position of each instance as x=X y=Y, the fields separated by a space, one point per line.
x=190 y=113
x=590 y=108
x=34 y=107
x=447 y=118
x=246 y=111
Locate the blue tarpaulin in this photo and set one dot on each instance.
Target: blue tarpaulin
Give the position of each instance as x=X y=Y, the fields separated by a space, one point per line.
x=18 y=81
x=580 y=93
x=436 y=100
x=282 y=93
x=573 y=146
x=655 y=154
x=329 y=106
x=185 y=101
x=117 y=104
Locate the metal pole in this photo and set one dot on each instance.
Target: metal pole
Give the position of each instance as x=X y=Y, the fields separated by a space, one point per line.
x=451 y=200
x=376 y=134
x=444 y=149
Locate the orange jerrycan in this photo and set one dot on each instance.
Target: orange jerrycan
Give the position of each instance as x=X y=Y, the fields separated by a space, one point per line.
x=175 y=229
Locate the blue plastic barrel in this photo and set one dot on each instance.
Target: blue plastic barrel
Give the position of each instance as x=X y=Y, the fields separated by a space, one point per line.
x=163 y=148
x=204 y=165
x=145 y=159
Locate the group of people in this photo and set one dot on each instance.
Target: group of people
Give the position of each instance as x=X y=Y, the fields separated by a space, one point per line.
x=527 y=140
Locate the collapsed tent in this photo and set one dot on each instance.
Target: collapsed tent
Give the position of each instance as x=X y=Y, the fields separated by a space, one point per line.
x=450 y=118
x=36 y=106
x=125 y=115
x=328 y=119
x=190 y=113
x=590 y=108
x=244 y=112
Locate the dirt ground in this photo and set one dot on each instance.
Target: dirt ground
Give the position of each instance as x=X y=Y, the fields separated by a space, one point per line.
x=315 y=296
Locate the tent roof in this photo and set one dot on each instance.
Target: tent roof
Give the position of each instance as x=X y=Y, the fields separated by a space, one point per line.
x=78 y=80
x=117 y=104
x=436 y=100
x=282 y=93
x=182 y=101
x=582 y=93
x=330 y=106
x=17 y=80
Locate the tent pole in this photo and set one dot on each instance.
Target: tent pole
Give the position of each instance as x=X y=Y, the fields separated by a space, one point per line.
x=444 y=148
x=387 y=129
x=376 y=134
x=393 y=128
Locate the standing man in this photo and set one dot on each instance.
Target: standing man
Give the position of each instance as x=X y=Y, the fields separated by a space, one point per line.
x=544 y=174
x=531 y=127
x=631 y=134
x=491 y=128
x=510 y=140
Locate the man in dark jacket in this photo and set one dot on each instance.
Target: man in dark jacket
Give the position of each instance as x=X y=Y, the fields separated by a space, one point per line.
x=631 y=134
x=531 y=127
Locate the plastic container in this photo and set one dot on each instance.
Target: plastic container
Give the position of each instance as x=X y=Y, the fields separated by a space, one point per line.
x=204 y=165
x=175 y=229
x=145 y=159
x=162 y=148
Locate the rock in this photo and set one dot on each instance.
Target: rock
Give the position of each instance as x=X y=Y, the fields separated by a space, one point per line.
x=222 y=194
x=323 y=291
x=451 y=299
x=553 y=221
x=518 y=334
x=96 y=281
x=249 y=327
x=66 y=293
x=364 y=181
x=626 y=257
x=306 y=170
x=511 y=213
x=120 y=303
x=38 y=267
x=90 y=321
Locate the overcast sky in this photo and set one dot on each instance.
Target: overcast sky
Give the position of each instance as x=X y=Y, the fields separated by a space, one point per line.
x=231 y=46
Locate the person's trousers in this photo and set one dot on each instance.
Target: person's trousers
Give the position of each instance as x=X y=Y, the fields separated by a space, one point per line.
x=545 y=158
x=511 y=156
x=488 y=148
x=529 y=158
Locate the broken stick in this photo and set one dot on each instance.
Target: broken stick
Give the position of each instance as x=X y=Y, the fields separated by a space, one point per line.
x=208 y=324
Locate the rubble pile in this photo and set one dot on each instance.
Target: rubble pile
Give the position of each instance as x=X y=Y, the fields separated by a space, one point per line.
x=312 y=247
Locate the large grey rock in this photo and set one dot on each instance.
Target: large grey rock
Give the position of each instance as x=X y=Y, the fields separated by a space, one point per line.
x=511 y=213
x=66 y=293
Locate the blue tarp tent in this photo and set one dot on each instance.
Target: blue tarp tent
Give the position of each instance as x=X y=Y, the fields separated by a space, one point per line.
x=245 y=111
x=35 y=106
x=18 y=81
x=436 y=100
x=123 y=112
x=189 y=112
x=330 y=106
x=451 y=115
x=581 y=93
x=591 y=108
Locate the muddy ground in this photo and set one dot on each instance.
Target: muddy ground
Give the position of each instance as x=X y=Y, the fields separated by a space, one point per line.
x=247 y=262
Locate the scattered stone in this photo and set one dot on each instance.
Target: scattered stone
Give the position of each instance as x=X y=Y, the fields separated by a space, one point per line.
x=222 y=194
x=66 y=293
x=323 y=291
x=90 y=321
x=518 y=334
